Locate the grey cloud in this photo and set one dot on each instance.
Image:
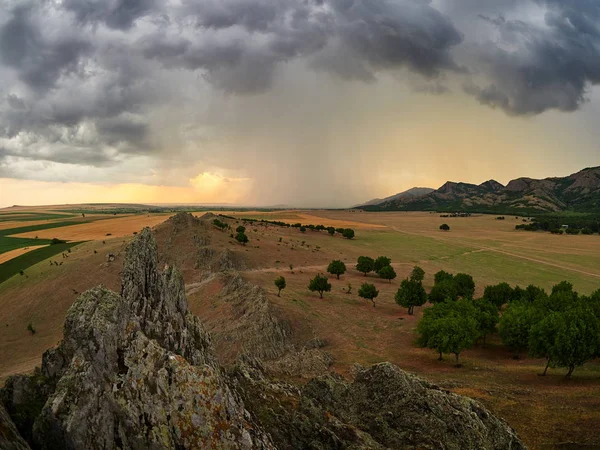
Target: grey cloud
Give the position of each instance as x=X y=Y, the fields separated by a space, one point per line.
x=116 y=14
x=542 y=67
x=39 y=59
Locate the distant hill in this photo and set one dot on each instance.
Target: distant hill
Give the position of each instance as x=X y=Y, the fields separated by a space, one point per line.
x=579 y=192
x=410 y=194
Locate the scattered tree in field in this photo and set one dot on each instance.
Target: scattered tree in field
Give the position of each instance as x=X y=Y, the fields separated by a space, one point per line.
x=331 y=230
x=498 y=294
x=240 y=229
x=441 y=276
x=303 y=229
x=448 y=327
x=381 y=262
x=368 y=291
x=280 y=284
x=487 y=317
x=417 y=274
x=336 y=267
x=319 y=284
x=387 y=273
x=443 y=291
x=410 y=294
x=365 y=264
x=515 y=325
x=242 y=238
x=444 y=227
x=348 y=233
x=465 y=286
x=31 y=328
x=349 y=289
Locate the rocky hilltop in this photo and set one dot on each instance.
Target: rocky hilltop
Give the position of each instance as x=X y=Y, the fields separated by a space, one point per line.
x=137 y=370
x=577 y=192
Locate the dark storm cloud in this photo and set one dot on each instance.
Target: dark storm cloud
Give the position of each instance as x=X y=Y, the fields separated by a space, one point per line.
x=39 y=59
x=116 y=14
x=542 y=66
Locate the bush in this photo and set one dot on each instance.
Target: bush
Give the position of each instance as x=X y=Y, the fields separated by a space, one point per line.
x=240 y=229
x=348 y=233
x=280 y=284
x=242 y=238
x=31 y=328
x=444 y=227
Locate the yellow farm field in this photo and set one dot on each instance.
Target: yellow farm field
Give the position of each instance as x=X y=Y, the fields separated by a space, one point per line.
x=7 y=256
x=99 y=230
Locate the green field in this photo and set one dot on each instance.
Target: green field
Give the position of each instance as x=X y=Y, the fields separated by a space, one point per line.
x=23 y=262
x=31 y=217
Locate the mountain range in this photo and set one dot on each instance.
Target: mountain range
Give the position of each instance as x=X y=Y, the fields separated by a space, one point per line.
x=579 y=192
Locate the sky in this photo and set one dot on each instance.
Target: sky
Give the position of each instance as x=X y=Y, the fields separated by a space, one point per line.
x=305 y=103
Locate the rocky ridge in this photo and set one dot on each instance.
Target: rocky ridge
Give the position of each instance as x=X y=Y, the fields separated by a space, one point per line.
x=138 y=371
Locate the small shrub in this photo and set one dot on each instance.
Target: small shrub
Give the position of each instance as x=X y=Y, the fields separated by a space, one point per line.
x=31 y=329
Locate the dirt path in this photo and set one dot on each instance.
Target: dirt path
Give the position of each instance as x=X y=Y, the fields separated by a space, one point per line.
x=514 y=255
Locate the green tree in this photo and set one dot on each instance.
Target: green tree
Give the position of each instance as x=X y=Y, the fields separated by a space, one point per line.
x=465 y=286
x=498 y=294
x=542 y=338
x=369 y=292
x=532 y=293
x=410 y=294
x=331 y=230
x=487 y=317
x=448 y=327
x=242 y=238
x=280 y=284
x=365 y=264
x=515 y=325
x=417 y=274
x=303 y=229
x=348 y=233
x=381 y=262
x=240 y=229
x=443 y=291
x=444 y=227
x=387 y=273
x=577 y=339
x=319 y=284
x=441 y=276
x=336 y=267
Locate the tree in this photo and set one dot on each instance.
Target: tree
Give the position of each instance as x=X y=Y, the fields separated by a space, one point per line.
x=487 y=317
x=369 y=292
x=577 y=339
x=336 y=267
x=319 y=284
x=448 y=328
x=441 y=276
x=515 y=325
x=444 y=227
x=280 y=284
x=242 y=238
x=348 y=233
x=240 y=229
x=387 y=273
x=465 y=286
x=365 y=264
x=498 y=294
x=331 y=230
x=417 y=274
x=442 y=291
x=410 y=294
x=303 y=229
x=381 y=262
x=542 y=338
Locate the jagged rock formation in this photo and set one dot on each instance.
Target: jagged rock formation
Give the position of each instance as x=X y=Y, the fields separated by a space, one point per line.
x=137 y=371
x=10 y=439
x=134 y=371
x=383 y=408
x=577 y=192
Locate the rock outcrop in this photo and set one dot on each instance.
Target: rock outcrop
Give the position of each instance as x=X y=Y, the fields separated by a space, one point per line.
x=383 y=408
x=136 y=370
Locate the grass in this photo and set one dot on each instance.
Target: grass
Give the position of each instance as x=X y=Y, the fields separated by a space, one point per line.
x=32 y=217
x=23 y=262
